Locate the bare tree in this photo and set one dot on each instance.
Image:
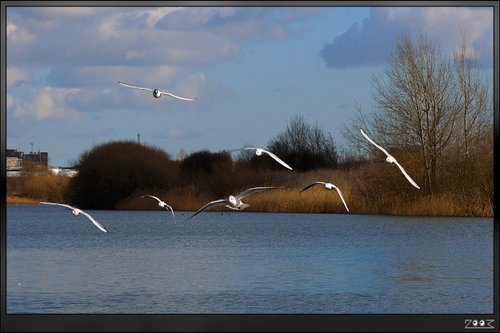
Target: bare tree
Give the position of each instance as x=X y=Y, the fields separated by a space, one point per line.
x=305 y=146
x=427 y=103
x=474 y=108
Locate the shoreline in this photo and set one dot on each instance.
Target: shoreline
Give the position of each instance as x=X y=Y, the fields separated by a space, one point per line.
x=14 y=200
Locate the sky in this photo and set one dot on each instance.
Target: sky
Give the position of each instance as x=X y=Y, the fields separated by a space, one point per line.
x=251 y=69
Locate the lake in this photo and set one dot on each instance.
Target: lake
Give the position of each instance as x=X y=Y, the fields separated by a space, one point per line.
x=243 y=263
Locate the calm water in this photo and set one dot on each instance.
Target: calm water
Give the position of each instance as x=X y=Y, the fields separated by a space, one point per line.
x=243 y=262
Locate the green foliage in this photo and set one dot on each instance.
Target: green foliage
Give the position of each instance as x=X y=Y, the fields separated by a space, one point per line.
x=110 y=172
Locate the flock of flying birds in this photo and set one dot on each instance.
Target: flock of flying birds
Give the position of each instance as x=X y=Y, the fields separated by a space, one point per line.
x=234 y=201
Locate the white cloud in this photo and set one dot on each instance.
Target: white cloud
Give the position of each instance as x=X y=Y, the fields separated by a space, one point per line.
x=143 y=36
x=16 y=76
x=156 y=14
x=192 y=85
x=450 y=23
x=373 y=41
x=18 y=35
x=67 y=12
x=47 y=103
x=91 y=48
x=106 y=75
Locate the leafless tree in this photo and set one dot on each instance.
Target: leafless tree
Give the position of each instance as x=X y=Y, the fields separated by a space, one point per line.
x=305 y=146
x=428 y=103
x=474 y=109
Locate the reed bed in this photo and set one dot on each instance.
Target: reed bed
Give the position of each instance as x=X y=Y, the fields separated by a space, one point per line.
x=364 y=189
x=16 y=200
x=32 y=189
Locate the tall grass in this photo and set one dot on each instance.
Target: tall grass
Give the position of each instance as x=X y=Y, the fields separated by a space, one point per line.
x=31 y=189
x=366 y=190
x=16 y=200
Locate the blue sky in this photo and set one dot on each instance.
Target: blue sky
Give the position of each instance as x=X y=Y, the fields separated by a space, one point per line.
x=251 y=68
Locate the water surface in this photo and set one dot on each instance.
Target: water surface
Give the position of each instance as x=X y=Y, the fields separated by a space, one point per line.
x=241 y=262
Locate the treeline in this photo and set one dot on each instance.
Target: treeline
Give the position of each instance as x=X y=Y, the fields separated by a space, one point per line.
x=114 y=176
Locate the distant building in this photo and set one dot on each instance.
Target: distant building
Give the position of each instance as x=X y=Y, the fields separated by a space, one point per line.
x=14 y=153
x=64 y=172
x=14 y=163
x=15 y=160
x=41 y=158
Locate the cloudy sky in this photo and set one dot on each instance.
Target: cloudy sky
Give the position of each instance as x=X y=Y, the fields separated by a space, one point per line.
x=250 y=68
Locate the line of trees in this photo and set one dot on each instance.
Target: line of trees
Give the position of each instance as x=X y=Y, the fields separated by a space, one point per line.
x=112 y=172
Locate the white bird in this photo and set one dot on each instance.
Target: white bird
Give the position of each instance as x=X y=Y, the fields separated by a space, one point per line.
x=157 y=93
x=260 y=151
x=76 y=212
x=234 y=201
x=328 y=186
x=391 y=159
x=161 y=203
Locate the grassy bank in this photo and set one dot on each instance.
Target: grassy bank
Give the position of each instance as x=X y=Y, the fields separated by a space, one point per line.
x=364 y=190
x=358 y=196
x=33 y=189
x=15 y=200
x=315 y=200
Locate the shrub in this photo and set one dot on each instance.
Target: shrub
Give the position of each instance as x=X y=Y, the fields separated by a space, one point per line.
x=110 y=172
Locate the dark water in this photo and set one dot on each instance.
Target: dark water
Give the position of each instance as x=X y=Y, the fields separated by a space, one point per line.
x=243 y=262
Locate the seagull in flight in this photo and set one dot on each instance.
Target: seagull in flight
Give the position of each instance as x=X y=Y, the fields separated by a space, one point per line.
x=157 y=93
x=328 y=186
x=234 y=201
x=161 y=203
x=76 y=212
x=391 y=159
x=260 y=151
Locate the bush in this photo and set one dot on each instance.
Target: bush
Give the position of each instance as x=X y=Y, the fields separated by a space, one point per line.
x=207 y=162
x=111 y=172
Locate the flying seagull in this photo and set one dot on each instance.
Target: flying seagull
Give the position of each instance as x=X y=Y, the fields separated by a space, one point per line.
x=328 y=186
x=76 y=212
x=161 y=203
x=156 y=93
x=234 y=201
x=391 y=159
x=260 y=151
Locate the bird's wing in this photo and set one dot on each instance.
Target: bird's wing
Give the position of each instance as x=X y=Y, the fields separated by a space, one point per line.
x=151 y=196
x=311 y=185
x=171 y=209
x=279 y=160
x=57 y=204
x=211 y=204
x=178 y=97
x=252 y=190
x=135 y=87
x=373 y=142
x=406 y=175
x=238 y=149
x=97 y=224
x=341 y=196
